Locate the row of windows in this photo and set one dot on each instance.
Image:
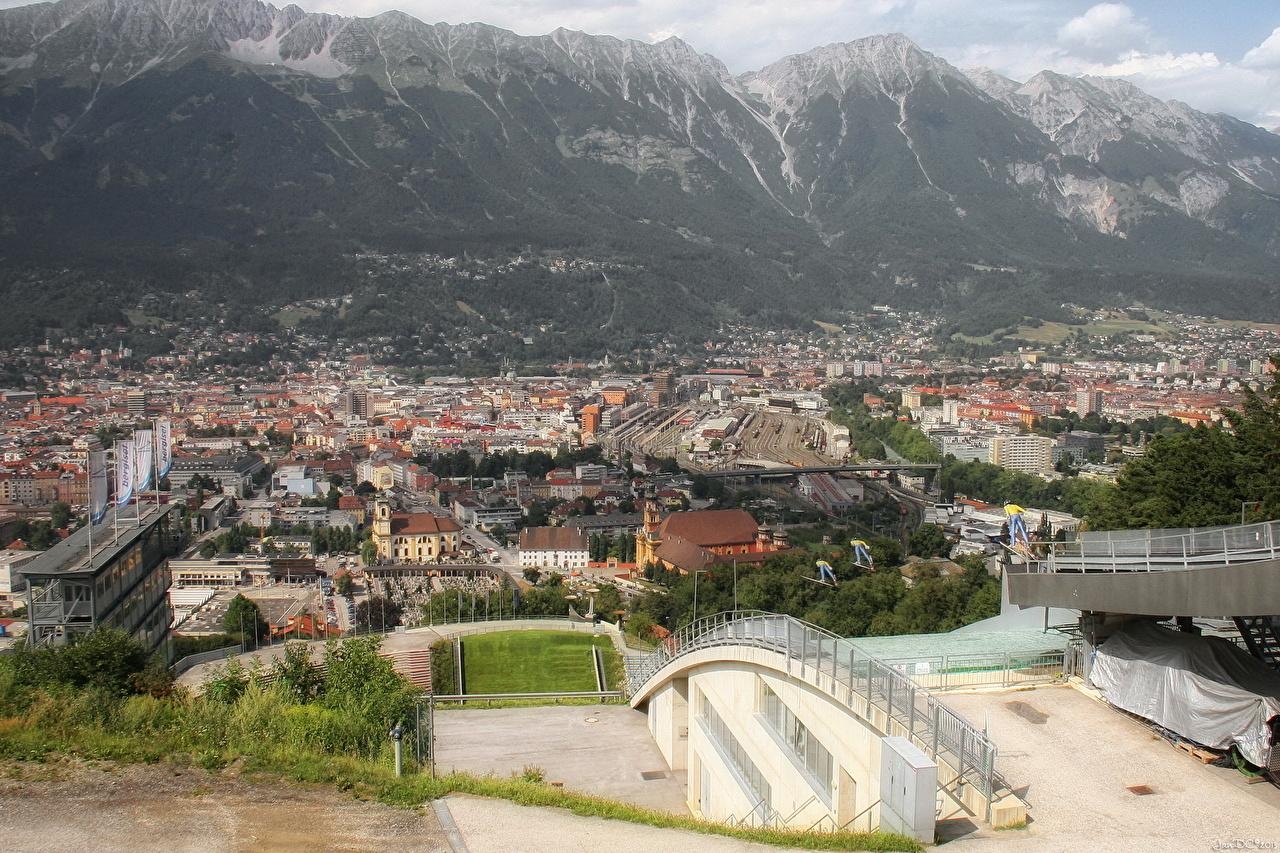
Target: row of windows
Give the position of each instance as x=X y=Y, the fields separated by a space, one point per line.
x=719 y=732
x=813 y=756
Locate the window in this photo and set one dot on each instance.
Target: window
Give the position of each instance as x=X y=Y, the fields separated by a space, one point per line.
x=719 y=732
x=810 y=754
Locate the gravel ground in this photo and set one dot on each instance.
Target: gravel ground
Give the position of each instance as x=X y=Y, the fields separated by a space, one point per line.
x=73 y=806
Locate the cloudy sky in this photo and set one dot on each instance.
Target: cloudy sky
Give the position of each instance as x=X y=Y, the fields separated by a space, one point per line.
x=1219 y=55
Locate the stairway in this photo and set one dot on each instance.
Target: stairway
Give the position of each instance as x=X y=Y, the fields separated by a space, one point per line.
x=1261 y=636
x=413 y=664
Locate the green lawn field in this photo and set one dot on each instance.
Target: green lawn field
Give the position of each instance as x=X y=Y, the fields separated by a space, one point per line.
x=535 y=662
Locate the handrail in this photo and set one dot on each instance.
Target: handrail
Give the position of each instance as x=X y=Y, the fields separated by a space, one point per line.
x=821 y=655
x=1162 y=550
x=854 y=819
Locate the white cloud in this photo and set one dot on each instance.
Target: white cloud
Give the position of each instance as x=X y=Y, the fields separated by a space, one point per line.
x=1104 y=31
x=1265 y=55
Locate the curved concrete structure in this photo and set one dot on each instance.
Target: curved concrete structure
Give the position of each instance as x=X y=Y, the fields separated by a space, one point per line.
x=779 y=722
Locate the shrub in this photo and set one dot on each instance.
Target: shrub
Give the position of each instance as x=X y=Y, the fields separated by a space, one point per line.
x=444 y=674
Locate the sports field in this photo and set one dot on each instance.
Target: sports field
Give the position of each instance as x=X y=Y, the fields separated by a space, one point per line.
x=535 y=662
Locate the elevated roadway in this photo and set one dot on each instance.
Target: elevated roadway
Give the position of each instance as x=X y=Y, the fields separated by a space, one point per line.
x=778 y=469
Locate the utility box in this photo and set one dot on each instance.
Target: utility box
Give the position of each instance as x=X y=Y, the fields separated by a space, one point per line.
x=908 y=789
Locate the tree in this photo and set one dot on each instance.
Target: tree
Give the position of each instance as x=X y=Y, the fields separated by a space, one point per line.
x=202 y=481
x=244 y=619
x=369 y=552
x=343 y=584
x=929 y=541
x=531 y=574
x=60 y=514
x=297 y=674
x=208 y=549
x=378 y=613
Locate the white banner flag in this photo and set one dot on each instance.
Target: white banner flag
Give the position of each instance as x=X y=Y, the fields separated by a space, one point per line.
x=143 y=446
x=125 y=457
x=99 y=486
x=164 y=447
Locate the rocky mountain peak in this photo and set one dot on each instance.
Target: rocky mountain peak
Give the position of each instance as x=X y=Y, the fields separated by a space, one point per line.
x=892 y=65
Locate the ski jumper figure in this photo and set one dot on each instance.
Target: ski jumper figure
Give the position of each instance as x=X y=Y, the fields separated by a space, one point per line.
x=1017 y=527
x=862 y=554
x=825 y=573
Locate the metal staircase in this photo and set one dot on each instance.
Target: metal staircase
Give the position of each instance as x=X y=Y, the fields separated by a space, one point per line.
x=1261 y=636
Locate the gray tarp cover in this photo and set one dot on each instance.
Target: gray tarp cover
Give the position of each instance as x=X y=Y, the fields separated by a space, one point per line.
x=1204 y=688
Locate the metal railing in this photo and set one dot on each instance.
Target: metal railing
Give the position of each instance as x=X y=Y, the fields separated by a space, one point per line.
x=815 y=655
x=1163 y=550
x=183 y=664
x=1002 y=669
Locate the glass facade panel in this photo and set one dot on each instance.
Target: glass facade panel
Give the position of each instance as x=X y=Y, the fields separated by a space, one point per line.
x=813 y=756
x=719 y=732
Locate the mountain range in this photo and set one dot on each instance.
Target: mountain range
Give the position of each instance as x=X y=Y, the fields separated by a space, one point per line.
x=234 y=146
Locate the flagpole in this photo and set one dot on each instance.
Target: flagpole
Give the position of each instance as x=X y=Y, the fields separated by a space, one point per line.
x=155 y=461
x=88 y=468
x=115 y=510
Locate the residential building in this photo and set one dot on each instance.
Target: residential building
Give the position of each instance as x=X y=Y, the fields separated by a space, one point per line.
x=1031 y=454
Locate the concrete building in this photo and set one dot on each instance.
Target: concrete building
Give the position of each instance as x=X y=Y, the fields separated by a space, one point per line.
x=663 y=393
x=554 y=548
x=1088 y=401
x=234 y=474
x=296 y=479
x=485 y=515
x=1031 y=454
x=218 y=572
x=123 y=586
x=1079 y=445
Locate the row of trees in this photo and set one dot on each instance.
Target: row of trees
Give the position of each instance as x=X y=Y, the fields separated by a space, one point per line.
x=623 y=547
x=864 y=603
x=536 y=463
x=986 y=482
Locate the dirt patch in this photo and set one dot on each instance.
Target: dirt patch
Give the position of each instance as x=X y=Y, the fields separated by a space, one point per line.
x=71 y=805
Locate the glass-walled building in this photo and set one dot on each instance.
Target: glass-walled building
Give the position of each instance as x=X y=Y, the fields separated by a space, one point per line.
x=125 y=585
